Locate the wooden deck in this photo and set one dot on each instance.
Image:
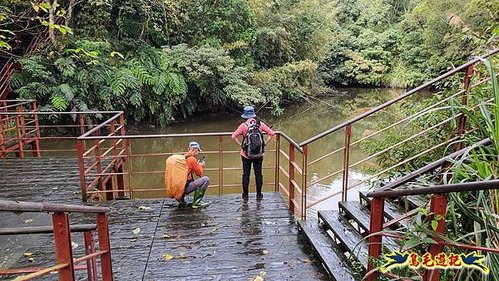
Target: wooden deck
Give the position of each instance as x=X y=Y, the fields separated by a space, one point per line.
x=229 y=240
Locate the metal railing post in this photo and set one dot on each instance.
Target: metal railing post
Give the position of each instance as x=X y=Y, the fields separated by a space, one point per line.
x=220 y=165
x=291 y=178
x=123 y=158
x=90 y=249
x=121 y=181
x=304 y=183
x=110 y=185
x=20 y=152
x=438 y=207
x=36 y=145
x=2 y=140
x=98 y=161
x=374 y=246
x=104 y=245
x=277 y=162
x=130 y=167
x=81 y=119
x=464 y=101
x=346 y=160
x=63 y=247
x=81 y=166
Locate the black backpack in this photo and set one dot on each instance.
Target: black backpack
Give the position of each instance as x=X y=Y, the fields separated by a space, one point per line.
x=253 y=143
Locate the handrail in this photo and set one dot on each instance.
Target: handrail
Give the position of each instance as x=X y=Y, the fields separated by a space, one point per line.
x=44 y=229
x=431 y=166
x=214 y=134
x=437 y=189
x=290 y=140
x=59 y=112
x=62 y=229
x=21 y=206
x=390 y=102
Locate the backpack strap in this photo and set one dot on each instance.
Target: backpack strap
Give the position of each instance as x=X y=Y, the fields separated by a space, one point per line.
x=192 y=172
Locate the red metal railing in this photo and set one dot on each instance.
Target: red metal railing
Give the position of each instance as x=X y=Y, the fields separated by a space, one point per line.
x=8 y=68
x=21 y=133
x=125 y=168
x=19 y=127
x=438 y=207
x=66 y=263
x=5 y=74
x=101 y=163
x=355 y=134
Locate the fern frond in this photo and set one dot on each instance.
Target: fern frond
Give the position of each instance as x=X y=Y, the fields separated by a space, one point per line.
x=142 y=75
x=67 y=91
x=59 y=102
x=17 y=81
x=101 y=75
x=136 y=98
x=66 y=66
x=161 y=84
x=176 y=83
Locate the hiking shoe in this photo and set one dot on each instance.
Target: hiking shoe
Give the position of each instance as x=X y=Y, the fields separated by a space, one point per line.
x=181 y=203
x=245 y=197
x=200 y=205
x=259 y=197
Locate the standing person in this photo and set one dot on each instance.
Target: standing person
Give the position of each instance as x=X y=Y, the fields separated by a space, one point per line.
x=252 y=148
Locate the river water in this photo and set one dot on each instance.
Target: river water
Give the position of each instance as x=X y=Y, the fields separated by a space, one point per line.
x=299 y=121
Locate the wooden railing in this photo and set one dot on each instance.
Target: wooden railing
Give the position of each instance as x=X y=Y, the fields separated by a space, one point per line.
x=66 y=263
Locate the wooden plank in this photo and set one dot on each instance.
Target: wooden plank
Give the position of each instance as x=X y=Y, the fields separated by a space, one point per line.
x=229 y=240
x=327 y=251
x=353 y=210
x=346 y=234
x=391 y=210
x=44 y=229
x=415 y=201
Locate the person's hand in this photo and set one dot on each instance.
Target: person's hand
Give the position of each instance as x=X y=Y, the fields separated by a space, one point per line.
x=202 y=164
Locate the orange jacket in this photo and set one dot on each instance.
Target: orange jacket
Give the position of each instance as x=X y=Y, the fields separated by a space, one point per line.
x=193 y=165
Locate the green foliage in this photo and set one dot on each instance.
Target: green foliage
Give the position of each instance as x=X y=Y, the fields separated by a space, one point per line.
x=218 y=22
x=198 y=55
x=212 y=77
x=86 y=76
x=472 y=216
x=404 y=43
x=291 y=31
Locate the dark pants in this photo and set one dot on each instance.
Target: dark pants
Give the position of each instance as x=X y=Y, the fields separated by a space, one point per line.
x=257 y=167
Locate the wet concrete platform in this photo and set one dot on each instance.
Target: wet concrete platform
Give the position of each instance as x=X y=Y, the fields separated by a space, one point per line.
x=154 y=239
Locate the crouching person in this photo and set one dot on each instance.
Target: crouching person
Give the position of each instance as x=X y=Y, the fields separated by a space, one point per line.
x=179 y=177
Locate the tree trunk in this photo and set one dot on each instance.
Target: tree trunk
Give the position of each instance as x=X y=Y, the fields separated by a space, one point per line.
x=52 y=21
x=69 y=15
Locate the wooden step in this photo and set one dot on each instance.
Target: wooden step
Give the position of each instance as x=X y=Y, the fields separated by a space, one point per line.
x=412 y=202
x=391 y=210
x=355 y=211
x=328 y=252
x=415 y=201
x=346 y=235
